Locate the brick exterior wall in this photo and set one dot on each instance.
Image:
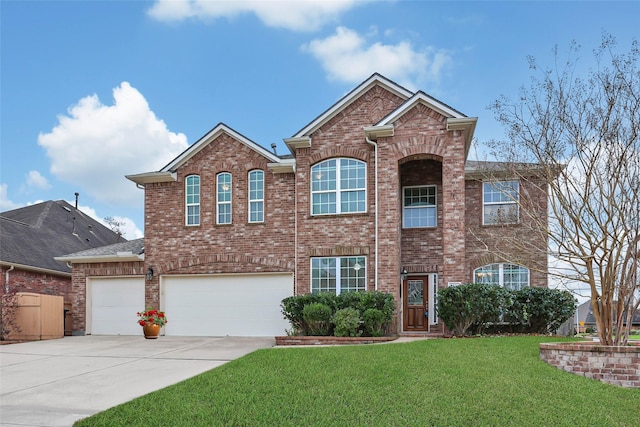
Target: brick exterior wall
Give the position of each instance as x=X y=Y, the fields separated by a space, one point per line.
x=40 y=283
x=171 y=247
x=612 y=365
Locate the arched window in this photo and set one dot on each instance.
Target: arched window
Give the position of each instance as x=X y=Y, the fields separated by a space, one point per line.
x=256 y=196
x=223 y=198
x=510 y=276
x=338 y=186
x=192 y=200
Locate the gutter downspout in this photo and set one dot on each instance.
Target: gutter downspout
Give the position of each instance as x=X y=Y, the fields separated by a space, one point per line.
x=375 y=145
x=6 y=279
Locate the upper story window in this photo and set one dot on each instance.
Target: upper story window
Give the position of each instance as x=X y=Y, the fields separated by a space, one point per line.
x=500 y=202
x=338 y=186
x=256 y=196
x=223 y=185
x=192 y=200
x=510 y=276
x=338 y=274
x=419 y=207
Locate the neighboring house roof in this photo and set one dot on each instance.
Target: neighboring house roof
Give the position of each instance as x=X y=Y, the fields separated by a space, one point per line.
x=32 y=236
x=132 y=250
x=591 y=320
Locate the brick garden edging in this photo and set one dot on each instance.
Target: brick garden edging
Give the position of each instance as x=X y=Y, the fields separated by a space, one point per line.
x=609 y=364
x=319 y=340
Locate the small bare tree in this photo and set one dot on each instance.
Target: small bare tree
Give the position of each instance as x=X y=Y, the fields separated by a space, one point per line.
x=115 y=225
x=583 y=136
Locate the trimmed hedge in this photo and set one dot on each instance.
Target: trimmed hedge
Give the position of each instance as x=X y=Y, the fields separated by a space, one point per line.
x=374 y=323
x=478 y=308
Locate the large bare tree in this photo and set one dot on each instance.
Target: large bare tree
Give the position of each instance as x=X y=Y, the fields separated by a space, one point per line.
x=581 y=134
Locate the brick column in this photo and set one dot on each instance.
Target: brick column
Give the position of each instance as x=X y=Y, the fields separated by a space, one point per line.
x=453 y=213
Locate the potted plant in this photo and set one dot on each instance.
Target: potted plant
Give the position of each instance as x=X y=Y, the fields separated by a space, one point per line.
x=151 y=321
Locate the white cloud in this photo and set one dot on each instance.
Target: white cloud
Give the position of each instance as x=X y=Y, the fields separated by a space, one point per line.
x=299 y=15
x=96 y=145
x=347 y=57
x=5 y=203
x=35 y=179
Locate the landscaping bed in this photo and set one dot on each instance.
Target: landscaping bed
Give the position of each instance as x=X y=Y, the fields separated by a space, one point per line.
x=329 y=340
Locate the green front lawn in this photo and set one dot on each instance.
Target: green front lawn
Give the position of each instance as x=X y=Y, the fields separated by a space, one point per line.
x=444 y=382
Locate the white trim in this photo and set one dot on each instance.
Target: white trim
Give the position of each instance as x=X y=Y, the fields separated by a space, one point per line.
x=187 y=205
x=250 y=200
x=338 y=191
x=230 y=202
x=435 y=206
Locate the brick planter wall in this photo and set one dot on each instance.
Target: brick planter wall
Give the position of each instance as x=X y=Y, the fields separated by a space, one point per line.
x=321 y=340
x=609 y=364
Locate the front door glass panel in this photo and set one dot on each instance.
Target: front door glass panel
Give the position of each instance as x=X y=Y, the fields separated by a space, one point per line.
x=415 y=292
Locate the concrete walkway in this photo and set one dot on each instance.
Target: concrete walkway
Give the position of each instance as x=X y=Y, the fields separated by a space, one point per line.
x=56 y=382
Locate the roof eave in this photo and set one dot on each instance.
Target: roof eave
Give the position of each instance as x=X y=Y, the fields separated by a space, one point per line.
x=35 y=269
x=465 y=124
x=382 y=131
x=119 y=257
x=152 y=177
x=284 y=166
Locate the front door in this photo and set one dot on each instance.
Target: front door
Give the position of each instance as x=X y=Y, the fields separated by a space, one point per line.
x=415 y=291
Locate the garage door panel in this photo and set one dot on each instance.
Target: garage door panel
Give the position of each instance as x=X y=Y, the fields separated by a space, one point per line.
x=239 y=305
x=114 y=304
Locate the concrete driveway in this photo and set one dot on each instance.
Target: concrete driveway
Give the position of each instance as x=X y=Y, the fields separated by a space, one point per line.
x=56 y=382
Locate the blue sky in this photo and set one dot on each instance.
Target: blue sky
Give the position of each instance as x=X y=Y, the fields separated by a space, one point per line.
x=91 y=91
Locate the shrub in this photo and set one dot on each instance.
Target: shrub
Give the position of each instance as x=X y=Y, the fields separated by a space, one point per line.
x=541 y=310
x=293 y=307
x=374 y=322
x=460 y=307
x=317 y=316
x=346 y=322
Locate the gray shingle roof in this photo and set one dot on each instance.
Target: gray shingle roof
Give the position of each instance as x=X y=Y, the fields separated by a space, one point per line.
x=35 y=234
x=136 y=247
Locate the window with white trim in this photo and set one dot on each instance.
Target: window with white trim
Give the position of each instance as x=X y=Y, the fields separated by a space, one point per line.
x=192 y=200
x=510 y=276
x=419 y=207
x=338 y=274
x=338 y=186
x=500 y=202
x=256 y=196
x=223 y=198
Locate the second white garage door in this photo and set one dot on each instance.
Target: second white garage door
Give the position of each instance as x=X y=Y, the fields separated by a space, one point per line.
x=219 y=305
x=114 y=302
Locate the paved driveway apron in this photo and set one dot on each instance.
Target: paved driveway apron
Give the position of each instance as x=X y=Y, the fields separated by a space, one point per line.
x=56 y=382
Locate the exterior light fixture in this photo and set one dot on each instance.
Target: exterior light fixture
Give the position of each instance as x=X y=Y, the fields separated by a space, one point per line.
x=404 y=273
x=149 y=274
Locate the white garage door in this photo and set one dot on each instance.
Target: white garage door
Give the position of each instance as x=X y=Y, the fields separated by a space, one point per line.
x=219 y=305
x=114 y=304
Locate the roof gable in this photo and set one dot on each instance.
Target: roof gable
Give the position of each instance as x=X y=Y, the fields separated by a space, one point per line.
x=214 y=133
x=375 y=80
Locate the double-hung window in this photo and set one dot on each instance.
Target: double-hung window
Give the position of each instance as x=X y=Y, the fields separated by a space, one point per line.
x=338 y=186
x=192 y=200
x=224 y=198
x=510 y=276
x=256 y=196
x=338 y=274
x=500 y=202
x=419 y=207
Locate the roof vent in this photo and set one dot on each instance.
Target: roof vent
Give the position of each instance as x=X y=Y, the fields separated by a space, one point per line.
x=273 y=147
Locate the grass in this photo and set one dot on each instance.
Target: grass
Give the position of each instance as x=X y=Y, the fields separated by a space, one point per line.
x=453 y=382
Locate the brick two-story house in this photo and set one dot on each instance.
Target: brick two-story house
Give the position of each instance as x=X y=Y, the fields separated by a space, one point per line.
x=376 y=194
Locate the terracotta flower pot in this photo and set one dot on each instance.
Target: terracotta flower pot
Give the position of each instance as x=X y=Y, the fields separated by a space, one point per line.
x=151 y=331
